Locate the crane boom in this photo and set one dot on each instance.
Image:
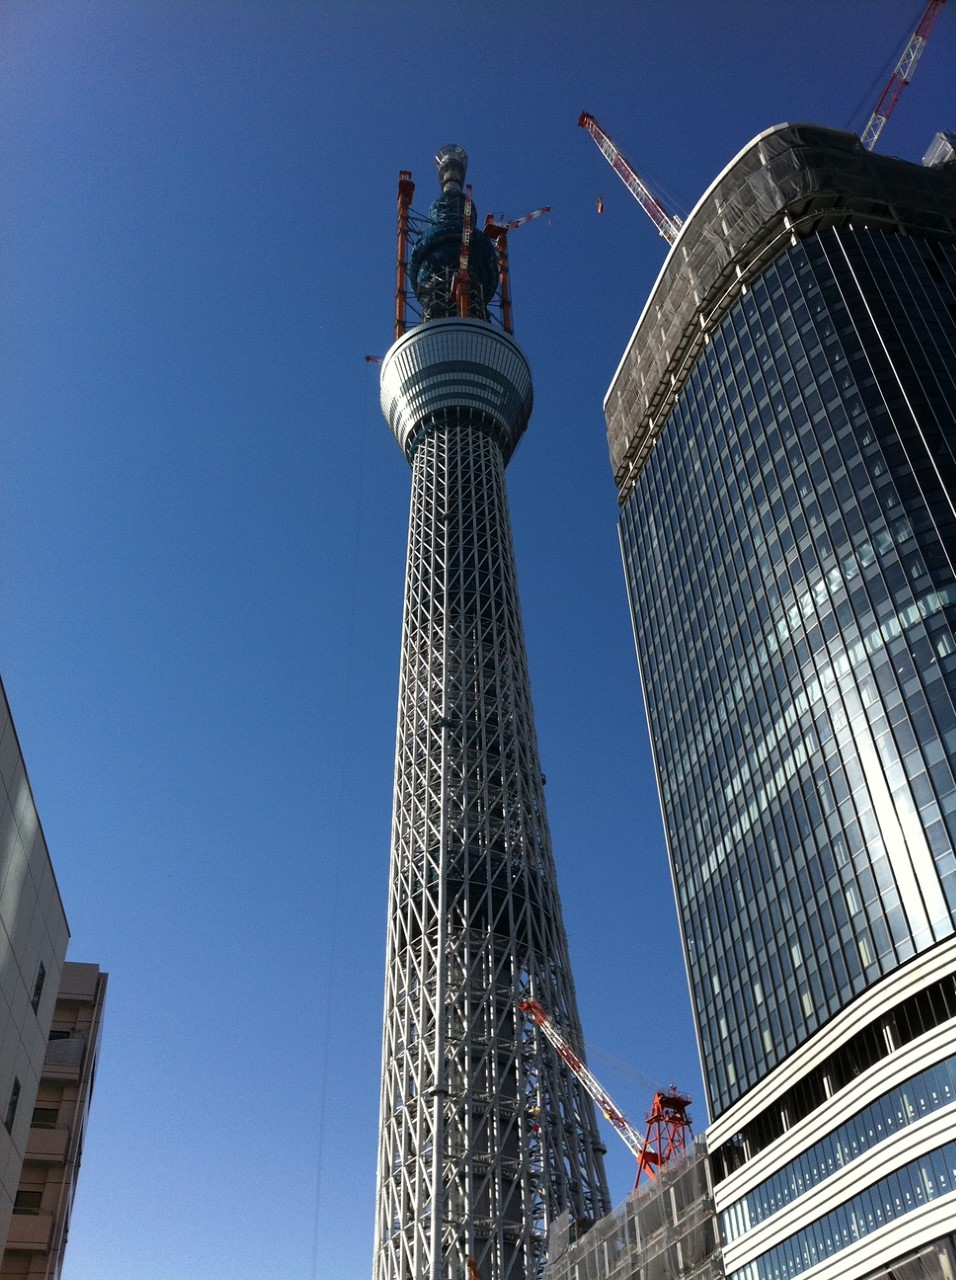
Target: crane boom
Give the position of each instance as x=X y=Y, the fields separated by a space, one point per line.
x=496 y=224
x=496 y=229
x=461 y=290
x=667 y=225
x=406 y=189
x=902 y=74
x=627 y=1131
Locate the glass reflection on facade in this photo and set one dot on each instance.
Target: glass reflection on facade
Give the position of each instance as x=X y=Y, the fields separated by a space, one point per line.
x=791 y=539
x=783 y=437
x=902 y=1106
x=885 y=1201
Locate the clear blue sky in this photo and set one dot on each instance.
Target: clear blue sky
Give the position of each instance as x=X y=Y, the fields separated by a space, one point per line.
x=203 y=523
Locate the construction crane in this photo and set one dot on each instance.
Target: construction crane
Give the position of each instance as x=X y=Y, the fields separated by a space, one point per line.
x=667 y=1121
x=667 y=224
x=902 y=74
x=406 y=189
x=495 y=224
x=496 y=229
x=461 y=289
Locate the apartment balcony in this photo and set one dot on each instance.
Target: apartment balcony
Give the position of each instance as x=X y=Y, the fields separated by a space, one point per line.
x=30 y=1230
x=64 y=1058
x=79 y=982
x=48 y=1144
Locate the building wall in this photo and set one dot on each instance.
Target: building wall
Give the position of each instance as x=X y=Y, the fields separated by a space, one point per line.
x=783 y=435
x=33 y=933
x=44 y=1200
x=791 y=537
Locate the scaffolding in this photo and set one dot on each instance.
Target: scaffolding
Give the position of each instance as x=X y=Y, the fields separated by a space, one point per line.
x=666 y=1230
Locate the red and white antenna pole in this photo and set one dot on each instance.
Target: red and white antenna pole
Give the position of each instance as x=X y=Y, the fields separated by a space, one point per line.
x=496 y=229
x=462 y=289
x=667 y=225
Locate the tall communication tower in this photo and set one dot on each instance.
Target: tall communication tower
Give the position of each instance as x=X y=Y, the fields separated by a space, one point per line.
x=485 y=1135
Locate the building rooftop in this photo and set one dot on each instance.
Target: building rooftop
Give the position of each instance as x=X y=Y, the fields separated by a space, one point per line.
x=788 y=183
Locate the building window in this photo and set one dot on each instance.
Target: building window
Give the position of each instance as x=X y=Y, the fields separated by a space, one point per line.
x=12 y=1105
x=899 y=1107
x=915 y=1184
x=44 y=1117
x=38 y=987
x=27 y=1202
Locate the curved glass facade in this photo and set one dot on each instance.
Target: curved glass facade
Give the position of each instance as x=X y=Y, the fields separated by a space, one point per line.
x=897 y=1109
x=917 y=1183
x=789 y=547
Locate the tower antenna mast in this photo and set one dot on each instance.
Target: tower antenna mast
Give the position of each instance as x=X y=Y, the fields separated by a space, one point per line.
x=406 y=189
x=496 y=229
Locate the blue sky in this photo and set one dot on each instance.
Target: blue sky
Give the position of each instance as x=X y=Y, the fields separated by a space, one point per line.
x=203 y=522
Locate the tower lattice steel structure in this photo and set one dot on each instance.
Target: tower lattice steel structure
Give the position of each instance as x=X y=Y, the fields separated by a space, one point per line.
x=485 y=1135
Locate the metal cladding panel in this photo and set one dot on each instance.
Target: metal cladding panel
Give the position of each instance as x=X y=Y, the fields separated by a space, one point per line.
x=458 y=365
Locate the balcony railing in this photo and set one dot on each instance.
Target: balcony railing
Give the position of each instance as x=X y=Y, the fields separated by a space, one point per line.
x=64 y=1057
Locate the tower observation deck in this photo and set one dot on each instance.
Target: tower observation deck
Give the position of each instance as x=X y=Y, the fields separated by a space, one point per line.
x=485 y=1137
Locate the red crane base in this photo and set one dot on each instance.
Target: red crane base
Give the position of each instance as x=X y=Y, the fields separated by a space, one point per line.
x=668 y=1128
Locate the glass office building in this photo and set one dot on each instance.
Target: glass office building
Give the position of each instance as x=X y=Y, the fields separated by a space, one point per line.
x=783 y=434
